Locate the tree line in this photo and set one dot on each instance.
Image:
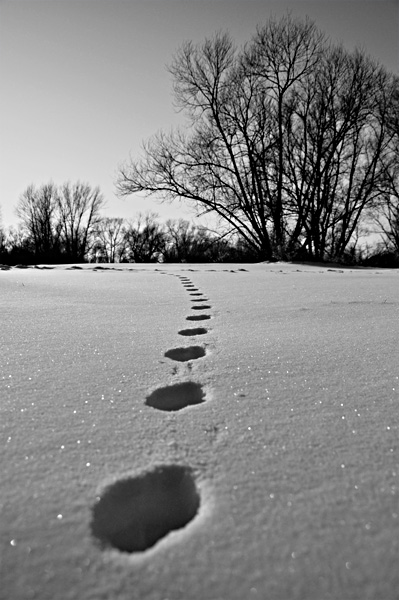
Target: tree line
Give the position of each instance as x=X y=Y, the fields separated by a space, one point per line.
x=291 y=140
x=64 y=224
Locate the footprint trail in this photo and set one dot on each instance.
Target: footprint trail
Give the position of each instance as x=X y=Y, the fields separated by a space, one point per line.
x=134 y=513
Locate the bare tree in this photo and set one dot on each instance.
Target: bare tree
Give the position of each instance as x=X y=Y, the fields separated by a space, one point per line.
x=188 y=243
x=79 y=213
x=110 y=239
x=387 y=217
x=287 y=144
x=37 y=209
x=181 y=238
x=207 y=167
x=144 y=239
x=333 y=152
x=231 y=163
x=2 y=234
x=3 y=238
x=282 y=56
x=59 y=222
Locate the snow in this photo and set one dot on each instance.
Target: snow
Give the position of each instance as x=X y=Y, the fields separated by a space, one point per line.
x=280 y=421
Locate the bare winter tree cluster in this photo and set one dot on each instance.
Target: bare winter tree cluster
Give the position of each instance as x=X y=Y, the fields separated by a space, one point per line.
x=145 y=239
x=292 y=141
x=57 y=222
x=62 y=225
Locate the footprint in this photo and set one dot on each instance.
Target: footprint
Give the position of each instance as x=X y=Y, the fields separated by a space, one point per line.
x=194 y=331
x=196 y=294
x=134 y=513
x=200 y=300
x=198 y=317
x=175 y=397
x=203 y=307
x=185 y=353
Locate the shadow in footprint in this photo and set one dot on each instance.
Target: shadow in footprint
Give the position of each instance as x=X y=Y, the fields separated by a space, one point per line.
x=198 y=317
x=199 y=300
x=193 y=331
x=175 y=397
x=203 y=307
x=186 y=353
x=133 y=514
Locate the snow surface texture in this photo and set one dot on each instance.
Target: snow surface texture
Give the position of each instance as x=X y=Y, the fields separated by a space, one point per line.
x=155 y=449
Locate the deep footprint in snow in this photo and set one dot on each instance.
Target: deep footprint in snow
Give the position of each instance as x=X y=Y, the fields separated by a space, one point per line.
x=193 y=331
x=198 y=317
x=203 y=307
x=133 y=514
x=185 y=353
x=176 y=397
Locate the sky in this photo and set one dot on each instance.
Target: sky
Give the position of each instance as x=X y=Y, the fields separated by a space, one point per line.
x=85 y=82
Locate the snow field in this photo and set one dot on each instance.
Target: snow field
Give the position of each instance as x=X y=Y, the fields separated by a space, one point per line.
x=275 y=451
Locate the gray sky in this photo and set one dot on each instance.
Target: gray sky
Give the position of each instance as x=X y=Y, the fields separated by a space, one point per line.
x=84 y=82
